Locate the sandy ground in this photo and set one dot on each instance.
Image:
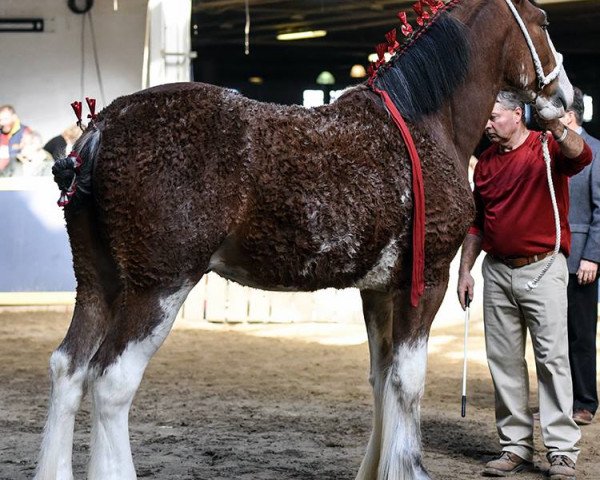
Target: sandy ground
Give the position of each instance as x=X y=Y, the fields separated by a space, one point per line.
x=259 y=402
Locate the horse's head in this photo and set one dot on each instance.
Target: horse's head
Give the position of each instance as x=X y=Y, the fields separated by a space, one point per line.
x=532 y=64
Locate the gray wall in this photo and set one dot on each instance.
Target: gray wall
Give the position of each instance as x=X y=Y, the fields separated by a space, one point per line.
x=40 y=72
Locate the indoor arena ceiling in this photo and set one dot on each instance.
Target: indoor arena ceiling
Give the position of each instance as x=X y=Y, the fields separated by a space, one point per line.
x=352 y=26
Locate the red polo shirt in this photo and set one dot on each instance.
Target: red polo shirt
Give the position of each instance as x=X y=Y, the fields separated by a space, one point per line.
x=513 y=206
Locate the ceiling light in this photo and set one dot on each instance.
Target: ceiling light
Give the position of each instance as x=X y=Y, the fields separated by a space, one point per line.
x=358 y=71
x=256 y=80
x=325 y=78
x=302 y=35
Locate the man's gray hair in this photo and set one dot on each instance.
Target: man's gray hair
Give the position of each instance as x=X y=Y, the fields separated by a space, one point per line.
x=510 y=101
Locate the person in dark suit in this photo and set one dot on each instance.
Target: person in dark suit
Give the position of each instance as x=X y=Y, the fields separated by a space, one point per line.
x=582 y=290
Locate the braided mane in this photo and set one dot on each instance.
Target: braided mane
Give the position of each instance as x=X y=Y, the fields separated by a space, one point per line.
x=426 y=71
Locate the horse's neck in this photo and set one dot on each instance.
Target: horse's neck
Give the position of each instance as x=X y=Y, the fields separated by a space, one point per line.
x=470 y=105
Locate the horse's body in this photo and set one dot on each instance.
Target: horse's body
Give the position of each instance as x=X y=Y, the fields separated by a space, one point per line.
x=191 y=178
x=314 y=211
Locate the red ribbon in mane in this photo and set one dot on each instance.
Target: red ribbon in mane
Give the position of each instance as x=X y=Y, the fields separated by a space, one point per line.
x=425 y=20
x=418 y=239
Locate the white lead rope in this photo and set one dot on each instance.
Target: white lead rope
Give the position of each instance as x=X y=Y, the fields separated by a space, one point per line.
x=534 y=283
x=543 y=81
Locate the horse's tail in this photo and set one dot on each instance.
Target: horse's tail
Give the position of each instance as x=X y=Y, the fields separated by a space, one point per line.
x=73 y=174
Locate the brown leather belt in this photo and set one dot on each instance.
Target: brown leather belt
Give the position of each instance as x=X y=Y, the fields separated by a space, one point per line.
x=518 y=262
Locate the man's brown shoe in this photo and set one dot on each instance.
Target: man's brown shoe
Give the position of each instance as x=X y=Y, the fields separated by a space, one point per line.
x=506 y=464
x=582 y=416
x=561 y=468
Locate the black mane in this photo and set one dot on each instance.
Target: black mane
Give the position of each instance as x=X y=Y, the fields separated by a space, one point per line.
x=420 y=77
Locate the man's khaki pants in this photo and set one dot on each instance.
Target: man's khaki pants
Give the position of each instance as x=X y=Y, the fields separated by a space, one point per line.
x=509 y=309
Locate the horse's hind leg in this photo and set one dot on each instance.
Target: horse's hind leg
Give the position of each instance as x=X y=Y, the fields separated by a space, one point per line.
x=69 y=362
x=68 y=372
x=142 y=321
x=399 y=380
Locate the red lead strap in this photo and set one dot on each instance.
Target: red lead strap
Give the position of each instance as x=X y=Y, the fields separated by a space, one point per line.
x=418 y=244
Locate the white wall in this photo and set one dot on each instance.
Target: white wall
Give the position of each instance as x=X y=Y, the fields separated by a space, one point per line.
x=40 y=72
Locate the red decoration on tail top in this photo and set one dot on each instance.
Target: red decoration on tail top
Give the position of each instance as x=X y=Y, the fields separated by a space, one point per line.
x=91 y=102
x=76 y=106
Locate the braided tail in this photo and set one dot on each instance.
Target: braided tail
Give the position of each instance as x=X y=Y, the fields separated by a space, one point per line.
x=73 y=174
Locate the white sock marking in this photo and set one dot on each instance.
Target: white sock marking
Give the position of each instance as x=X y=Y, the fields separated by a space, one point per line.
x=54 y=461
x=112 y=395
x=401 y=437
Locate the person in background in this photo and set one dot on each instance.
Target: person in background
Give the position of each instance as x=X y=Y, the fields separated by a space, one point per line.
x=584 y=220
x=59 y=146
x=11 y=135
x=515 y=225
x=33 y=160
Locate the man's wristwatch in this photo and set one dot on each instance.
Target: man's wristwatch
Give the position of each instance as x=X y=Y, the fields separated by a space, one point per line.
x=562 y=137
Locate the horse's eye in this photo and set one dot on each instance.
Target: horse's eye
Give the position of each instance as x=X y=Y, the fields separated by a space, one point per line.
x=545 y=26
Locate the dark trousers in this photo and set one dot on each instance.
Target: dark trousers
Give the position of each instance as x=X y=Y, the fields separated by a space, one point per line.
x=583 y=318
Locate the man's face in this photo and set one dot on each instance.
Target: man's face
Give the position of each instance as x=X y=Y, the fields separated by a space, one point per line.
x=503 y=123
x=6 y=120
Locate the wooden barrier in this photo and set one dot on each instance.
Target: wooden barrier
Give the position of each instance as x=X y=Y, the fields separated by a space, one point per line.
x=215 y=299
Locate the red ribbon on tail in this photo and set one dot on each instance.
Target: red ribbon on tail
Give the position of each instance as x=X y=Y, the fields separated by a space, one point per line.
x=76 y=106
x=91 y=102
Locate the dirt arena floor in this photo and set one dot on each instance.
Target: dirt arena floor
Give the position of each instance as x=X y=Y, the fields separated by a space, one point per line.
x=257 y=402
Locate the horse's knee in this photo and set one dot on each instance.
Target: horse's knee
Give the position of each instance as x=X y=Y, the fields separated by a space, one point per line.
x=407 y=374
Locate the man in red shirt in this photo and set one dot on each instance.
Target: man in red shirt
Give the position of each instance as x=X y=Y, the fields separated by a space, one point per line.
x=515 y=225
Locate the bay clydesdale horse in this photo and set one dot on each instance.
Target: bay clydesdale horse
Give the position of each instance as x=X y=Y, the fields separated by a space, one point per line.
x=184 y=179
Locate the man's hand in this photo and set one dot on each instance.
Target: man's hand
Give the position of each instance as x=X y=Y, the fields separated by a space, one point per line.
x=571 y=145
x=466 y=285
x=554 y=126
x=586 y=273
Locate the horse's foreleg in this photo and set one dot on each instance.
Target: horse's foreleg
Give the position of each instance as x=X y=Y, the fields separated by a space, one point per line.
x=141 y=325
x=68 y=372
x=378 y=313
x=401 y=372
x=401 y=437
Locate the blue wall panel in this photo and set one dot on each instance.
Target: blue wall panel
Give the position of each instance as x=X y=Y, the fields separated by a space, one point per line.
x=34 y=248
